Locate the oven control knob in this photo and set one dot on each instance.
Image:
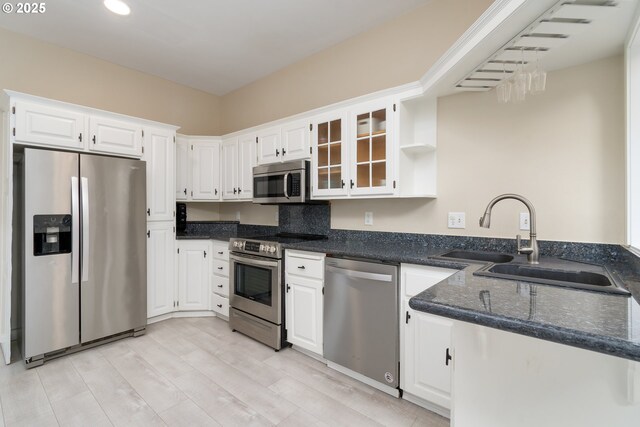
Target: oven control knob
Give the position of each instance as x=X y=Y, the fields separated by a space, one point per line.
x=263 y=248
x=235 y=244
x=272 y=249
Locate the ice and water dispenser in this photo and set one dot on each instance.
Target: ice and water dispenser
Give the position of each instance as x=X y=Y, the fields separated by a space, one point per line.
x=51 y=234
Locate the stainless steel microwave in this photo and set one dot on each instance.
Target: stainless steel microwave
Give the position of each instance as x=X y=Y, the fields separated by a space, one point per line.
x=286 y=182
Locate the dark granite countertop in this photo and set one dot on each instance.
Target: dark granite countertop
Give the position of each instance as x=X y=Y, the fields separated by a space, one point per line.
x=594 y=321
x=222 y=235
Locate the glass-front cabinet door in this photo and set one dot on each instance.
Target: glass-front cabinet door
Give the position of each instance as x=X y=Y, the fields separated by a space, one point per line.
x=371 y=139
x=329 y=156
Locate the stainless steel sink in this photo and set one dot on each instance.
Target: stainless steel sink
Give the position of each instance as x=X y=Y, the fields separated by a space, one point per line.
x=567 y=278
x=479 y=256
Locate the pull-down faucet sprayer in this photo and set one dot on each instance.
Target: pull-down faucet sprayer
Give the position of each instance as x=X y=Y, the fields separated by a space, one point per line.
x=531 y=251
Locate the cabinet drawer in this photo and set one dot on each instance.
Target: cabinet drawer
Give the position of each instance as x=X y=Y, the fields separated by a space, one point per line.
x=305 y=264
x=221 y=250
x=220 y=285
x=221 y=267
x=220 y=304
x=417 y=278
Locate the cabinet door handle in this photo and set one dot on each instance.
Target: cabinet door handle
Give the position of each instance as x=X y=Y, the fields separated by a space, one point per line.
x=220 y=252
x=185 y=191
x=148 y=211
x=235 y=190
x=220 y=268
x=219 y=286
x=215 y=191
x=407 y=317
x=288 y=287
x=80 y=137
x=351 y=183
x=277 y=152
x=447 y=358
x=205 y=254
x=301 y=267
x=149 y=233
x=284 y=152
x=94 y=139
x=342 y=183
x=239 y=190
x=219 y=305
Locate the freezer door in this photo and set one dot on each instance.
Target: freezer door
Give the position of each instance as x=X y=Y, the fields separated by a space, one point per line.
x=113 y=289
x=50 y=288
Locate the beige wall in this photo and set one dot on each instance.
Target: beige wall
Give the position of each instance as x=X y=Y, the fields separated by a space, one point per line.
x=563 y=149
x=397 y=52
x=43 y=69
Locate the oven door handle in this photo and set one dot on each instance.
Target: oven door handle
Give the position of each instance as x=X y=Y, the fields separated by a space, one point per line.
x=247 y=259
x=286 y=178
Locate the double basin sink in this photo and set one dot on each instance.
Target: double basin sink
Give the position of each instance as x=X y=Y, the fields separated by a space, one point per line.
x=502 y=266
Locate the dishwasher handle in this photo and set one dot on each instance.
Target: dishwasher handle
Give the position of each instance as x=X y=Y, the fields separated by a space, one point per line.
x=360 y=274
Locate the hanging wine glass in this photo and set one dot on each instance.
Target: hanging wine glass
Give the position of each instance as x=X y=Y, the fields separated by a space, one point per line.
x=521 y=82
x=503 y=89
x=538 y=78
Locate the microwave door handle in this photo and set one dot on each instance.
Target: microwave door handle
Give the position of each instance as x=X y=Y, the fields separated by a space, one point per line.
x=286 y=179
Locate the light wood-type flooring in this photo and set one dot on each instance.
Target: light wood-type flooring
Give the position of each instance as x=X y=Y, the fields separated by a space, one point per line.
x=193 y=372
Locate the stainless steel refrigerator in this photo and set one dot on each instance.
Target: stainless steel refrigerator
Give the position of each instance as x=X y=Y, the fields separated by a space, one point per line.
x=84 y=274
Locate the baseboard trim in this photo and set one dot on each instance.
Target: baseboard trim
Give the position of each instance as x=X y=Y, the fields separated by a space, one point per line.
x=427 y=405
x=179 y=314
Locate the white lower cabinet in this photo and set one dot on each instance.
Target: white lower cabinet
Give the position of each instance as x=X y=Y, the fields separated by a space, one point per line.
x=160 y=268
x=425 y=343
x=194 y=275
x=304 y=282
x=220 y=279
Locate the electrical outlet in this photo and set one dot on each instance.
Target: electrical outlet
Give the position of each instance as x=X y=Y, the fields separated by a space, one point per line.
x=456 y=220
x=278 y=216
x=368 y=218
x=524 y=221
x=237 y=215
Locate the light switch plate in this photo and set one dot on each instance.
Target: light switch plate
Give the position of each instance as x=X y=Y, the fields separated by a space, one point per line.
x=368 y=218
x=524 y=221
x=456 y=220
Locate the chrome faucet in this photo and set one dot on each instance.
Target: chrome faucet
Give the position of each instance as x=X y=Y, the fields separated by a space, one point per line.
x=532 y=251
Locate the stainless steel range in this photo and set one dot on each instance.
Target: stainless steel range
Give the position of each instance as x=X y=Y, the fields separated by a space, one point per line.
x=257 y=286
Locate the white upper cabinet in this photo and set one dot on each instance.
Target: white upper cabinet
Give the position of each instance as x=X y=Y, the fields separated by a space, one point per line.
x=371 y=141
x=246 y=162
x=290 y=141
x=330 y=156
x=269 y=146
x=296 y=140
x=160 y=157
x=182 y=168
x=59 y=125
x=238 y=160
x=115 y=136
x=230 y=169
x=49 y=126
x=205 y=157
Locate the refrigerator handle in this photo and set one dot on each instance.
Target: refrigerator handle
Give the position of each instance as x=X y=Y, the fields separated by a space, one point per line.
x=85 y=228
x=75 y=230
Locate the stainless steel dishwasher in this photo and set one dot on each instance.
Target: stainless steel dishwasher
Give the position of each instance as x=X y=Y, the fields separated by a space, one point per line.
x=361 y=331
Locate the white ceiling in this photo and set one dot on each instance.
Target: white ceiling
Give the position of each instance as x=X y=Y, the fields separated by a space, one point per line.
x=213 y=45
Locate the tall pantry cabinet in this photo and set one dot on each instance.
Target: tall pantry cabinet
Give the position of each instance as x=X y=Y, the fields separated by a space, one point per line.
x=160 y=154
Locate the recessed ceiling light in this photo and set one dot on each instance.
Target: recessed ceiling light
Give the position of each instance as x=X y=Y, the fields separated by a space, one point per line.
x=117 y=6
